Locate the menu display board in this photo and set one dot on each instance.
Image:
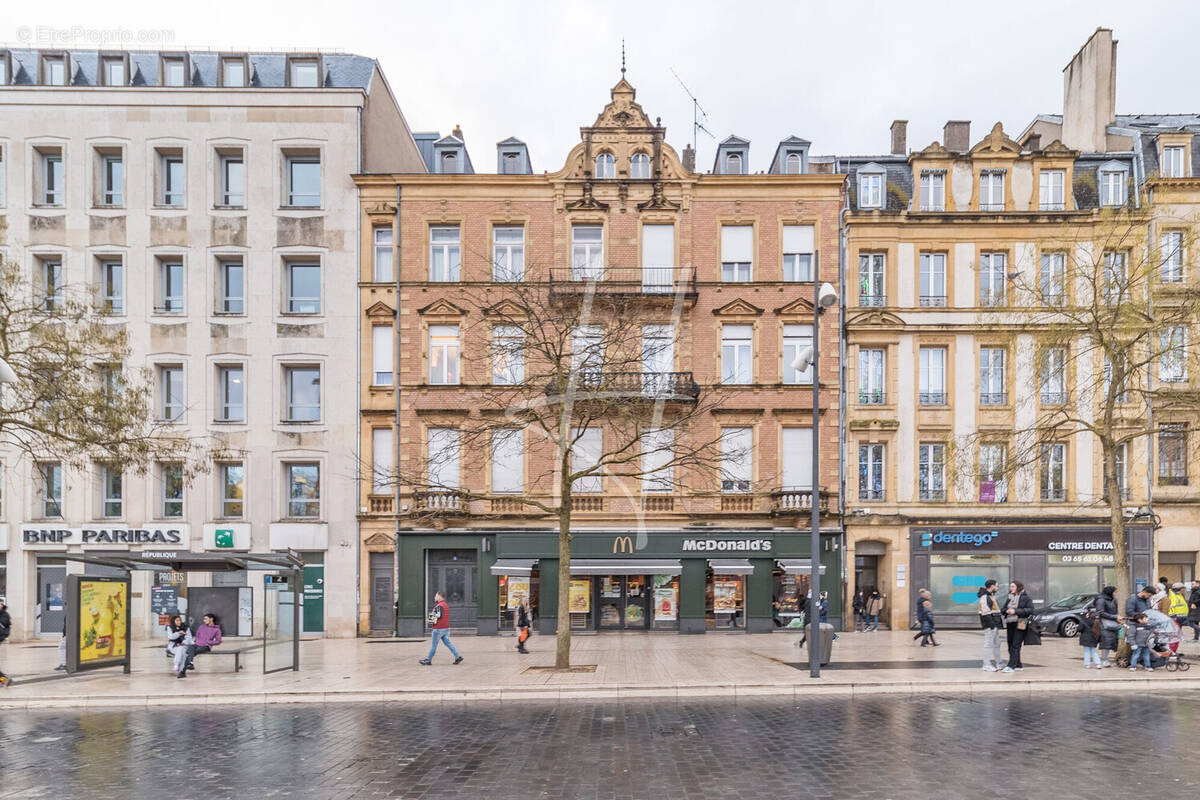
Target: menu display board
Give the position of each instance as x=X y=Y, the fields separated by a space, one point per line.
x=579 y=597
x=518 y=589
x=666 y=604
x=727 y=595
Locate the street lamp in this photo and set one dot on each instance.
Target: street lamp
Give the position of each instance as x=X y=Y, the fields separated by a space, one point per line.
x=824 y=296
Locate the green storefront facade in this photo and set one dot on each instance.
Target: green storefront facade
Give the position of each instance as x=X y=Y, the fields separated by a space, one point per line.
x=689 y=581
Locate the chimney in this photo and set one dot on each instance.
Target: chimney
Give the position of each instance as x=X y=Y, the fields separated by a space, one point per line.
x=689 y=158
x=457 y=132
x=900 y=137
x=956 y=136
x=1090 y=94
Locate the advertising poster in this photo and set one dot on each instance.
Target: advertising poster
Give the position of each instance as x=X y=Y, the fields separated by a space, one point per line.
x=789 y=595
x=518 y=588
x=102 y=621
x=580 y=597
x=666 y=607
x=726 y=595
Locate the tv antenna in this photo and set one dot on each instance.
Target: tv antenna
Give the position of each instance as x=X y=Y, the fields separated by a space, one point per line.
x=699 y=115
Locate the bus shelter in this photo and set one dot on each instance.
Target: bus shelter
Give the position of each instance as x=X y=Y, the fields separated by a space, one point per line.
x=98 y=613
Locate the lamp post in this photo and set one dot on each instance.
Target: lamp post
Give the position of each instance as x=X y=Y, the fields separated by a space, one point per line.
x=824 y=296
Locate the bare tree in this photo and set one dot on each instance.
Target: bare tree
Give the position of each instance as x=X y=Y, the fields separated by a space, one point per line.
x=575 y=367
x=1109 y=307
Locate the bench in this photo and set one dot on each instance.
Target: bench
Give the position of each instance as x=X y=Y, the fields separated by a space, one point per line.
x=236 y=652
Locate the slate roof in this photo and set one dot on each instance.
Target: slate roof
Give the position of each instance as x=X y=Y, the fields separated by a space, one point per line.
x=898 y=190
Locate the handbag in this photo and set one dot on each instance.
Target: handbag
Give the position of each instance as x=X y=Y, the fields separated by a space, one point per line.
x=1033 y=637
x=523 y=635
x=1022 y=624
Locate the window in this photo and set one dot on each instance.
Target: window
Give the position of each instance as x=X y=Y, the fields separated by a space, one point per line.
x=1054 y=376
x=233 y=180
x=231 y=394
x=450 y=162
x=303 y=287
x=993 y=388
x=173 y=71
x=991 y=190
x=4 y=69
x=933 y=280
x=304 y=181
x=870 y=280
x=170 y=283
x=933 y=190
x=112 y=179
x=170 y=392
x=932 y=376
x=305 y=73
x=587 y=252
x=1172 y=359
x=587 y=353
x=1172 y=454
x=303 y=490
x=382 y=460
x=172 y=179
x=232 y=287
x=870 y=472
x=53 y=179
x=992 y=279
x=51 y=282
x=1054 y=472
x=54 y=70
x=605 y=166
x=658 y=455
x=232 y=478
x=1050 y=190
x=303 y=388
x=112 y=286
x=737 y=459
x=111 y=502
x=797 y=459
x=1054 y=278
x=50 y=489
x=383 y=269
x=3 y=179
x=733 y=163
x=797 y=253
x=508 y=253
x=444 y=258
x=795 y=339
x=1172 y=162
x=658 y=358
x=639 y=166
x=444 y=454
x=233 y=72
x=510 y=164
x=113 y=71
x=871 y=391
x=443 y=355
x=1172 y=257
x=993 y=478
x=382 y=359
x=1116 y=277
x=1112 y=187
x=737 y=354
x=586 y=452
x=737 y=252
x=931 y=472
x=870 y=190
x=658 y=259
x=508 y=456
x=508 y=355
x=1119 y=454
x=171 y=477
x=794 y=165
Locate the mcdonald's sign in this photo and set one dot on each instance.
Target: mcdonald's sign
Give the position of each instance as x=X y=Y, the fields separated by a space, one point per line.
x=622 y=544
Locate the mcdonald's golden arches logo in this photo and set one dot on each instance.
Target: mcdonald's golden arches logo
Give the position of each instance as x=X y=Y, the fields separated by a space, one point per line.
x=622 y=544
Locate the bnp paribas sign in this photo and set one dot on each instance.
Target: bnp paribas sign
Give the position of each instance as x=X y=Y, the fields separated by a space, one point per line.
x=42 y=536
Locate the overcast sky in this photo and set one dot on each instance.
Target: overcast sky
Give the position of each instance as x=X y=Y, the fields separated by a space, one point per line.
x=836 y=73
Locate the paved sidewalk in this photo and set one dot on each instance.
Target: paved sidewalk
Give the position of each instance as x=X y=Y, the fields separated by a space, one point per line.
x=626 y=665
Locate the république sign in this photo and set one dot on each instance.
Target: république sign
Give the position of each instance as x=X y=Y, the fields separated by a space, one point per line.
x=31 y=535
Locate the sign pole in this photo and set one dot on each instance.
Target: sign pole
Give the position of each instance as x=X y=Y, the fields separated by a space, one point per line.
x=814 y=638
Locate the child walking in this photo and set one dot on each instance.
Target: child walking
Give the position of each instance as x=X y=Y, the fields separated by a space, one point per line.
x=1140 y=633
x=1089 y=639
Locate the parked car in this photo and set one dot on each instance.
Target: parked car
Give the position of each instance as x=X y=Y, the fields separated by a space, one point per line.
x=1064 y=616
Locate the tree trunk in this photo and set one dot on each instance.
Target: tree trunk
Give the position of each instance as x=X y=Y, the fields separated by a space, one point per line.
x=1116 y=513
x=562 y=637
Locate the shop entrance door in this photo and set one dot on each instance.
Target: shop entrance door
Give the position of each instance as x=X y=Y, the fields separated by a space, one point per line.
x=452 y=572
x=624 y=602
x=52 y=584
x=866 y=573
x=382 y=603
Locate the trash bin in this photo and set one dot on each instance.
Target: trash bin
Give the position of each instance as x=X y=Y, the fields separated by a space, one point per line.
x=826 y=643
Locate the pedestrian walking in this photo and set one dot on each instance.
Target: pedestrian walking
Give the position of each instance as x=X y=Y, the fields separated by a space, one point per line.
x=823 y=611
x=925 y=619
x=874 y=608
x=5 y=630
x=1193 y=617
x=991 y=621
x=1090 y=630
x=859 y=604
x=1177 y=608
x=1159 y=599
x=523 y=624
x=1018 y=608
x=1139 y=633
x=439 y=619
x=1110 y=622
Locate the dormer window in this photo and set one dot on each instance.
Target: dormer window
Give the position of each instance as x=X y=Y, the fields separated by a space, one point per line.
x=870 y=188
x=1050 y=190
x=1172 y=162
x=233 y=72
x=606 y=166
x=113 y=72
x=733 y=163
x=639 y=166
x=933 y=190
x=3 y=69
x=174 y=71
x=991 y=190
x=304 y=73
x=449 y=163
x=511 y=163
x=1112 y=178
x=794 y=164
x=54 y=70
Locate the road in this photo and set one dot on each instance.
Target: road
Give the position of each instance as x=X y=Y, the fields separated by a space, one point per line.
x=1051 y=745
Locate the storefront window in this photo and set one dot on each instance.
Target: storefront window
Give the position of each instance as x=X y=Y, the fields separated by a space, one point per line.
x=579 y=602
x=1077 y=573
x=726 y=602
x=785 y=595
x=955 y=579
x=666 y=602
x=512 y=589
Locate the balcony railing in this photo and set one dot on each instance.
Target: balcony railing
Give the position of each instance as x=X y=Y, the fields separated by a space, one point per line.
x=932 y=301
x=991 y=299
x=737 y=502
x=872 y=300
x=1054 y=398
x=795 y=500
x=872 y=398
x=932 y=495
x=932 y=398
x=438 y=501
x=658 y=502
x=665 y=281
x=380 y=504
x=678 y=386
x=993 y=398
x=871 y=494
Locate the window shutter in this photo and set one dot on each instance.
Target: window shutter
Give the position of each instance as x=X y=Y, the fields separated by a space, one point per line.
x=381 y=345
x=797 y=238
x=797 y=458
x=737 y=243
x=658 y=245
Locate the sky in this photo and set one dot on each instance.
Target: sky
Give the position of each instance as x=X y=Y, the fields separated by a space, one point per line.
x=835 y=73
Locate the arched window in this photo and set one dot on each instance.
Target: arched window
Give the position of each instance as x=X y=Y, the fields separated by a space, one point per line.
x=733 y=164
x=449 y=163
x=639 y=166
x=605 y=166
x=793 y=164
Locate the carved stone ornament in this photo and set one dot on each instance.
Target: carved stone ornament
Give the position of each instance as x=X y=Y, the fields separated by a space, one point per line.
x=658 y=201
x=587 y=202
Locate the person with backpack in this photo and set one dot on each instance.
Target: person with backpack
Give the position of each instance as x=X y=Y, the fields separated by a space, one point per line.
x=1110 y=622
x=991 y=621
x=439 y=619
x=523 y=623
x=5 y=630
x=1018 y=608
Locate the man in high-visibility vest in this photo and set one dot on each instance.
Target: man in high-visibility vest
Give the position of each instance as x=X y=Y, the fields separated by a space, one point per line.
x=1178 y=610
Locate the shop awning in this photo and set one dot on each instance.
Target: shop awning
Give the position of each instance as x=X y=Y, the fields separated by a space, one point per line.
x=798 y=566
x=622 y=566
x=513 y=566
x=731 y=566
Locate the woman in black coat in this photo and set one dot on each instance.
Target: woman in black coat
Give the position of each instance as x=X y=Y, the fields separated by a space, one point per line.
x=1018 y=608
x=1110 y=622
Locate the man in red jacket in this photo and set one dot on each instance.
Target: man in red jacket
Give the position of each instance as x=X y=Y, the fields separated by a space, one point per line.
x=440 y=617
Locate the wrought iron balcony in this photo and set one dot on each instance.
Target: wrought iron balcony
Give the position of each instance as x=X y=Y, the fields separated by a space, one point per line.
x=872 y=398
x=866 y=300
x=677 y=386
x=932 y=398
x=665 y=281
x=870 y=494
x=1054 y=398
x=932 y=495
x=933 y=301
x=795 y=500
x=993 y=398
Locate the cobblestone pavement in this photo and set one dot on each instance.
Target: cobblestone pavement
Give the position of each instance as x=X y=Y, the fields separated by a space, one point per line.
x=1069 y=746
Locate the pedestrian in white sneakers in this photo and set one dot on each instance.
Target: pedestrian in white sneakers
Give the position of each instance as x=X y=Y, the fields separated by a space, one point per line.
x=1090 y=631
x=991 y=621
